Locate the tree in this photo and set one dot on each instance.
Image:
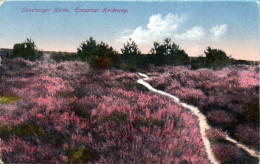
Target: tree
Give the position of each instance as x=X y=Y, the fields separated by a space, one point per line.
x=168 y=53
x=216 y=58
x=98 y=55
x=86 y=51
x=212 y=58
x=131 y=55
x=26 y=50
x=130 y=48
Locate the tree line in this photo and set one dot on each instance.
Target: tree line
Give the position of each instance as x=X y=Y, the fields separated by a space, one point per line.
x=102 y=56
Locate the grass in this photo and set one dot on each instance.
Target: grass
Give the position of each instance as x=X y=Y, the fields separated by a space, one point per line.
x=32 y=131
x=81 y=155
x=9 y=99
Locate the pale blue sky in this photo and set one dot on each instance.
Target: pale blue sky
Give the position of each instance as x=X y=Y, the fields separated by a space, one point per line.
x=231 y=26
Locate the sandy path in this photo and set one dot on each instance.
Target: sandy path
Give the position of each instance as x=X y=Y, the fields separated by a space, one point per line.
x=202 y=122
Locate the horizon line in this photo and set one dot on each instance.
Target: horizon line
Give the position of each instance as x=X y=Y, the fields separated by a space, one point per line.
x=121 y=54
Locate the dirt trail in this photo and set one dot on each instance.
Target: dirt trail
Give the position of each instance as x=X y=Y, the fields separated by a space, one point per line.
x=202 y=122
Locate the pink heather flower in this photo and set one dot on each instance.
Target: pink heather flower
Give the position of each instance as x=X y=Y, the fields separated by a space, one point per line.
x=39 y=116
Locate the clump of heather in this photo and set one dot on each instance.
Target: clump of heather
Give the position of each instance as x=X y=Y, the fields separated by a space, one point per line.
x=67 y=114
x=226 y=153
x=228 y=97
x=215 y=134
x=248 y=134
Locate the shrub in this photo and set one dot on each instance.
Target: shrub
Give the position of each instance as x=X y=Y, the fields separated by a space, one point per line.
x=26 y=50
x=64 y=56
x=30 y=131
x=222 y=118
x=130 y=49
x=8 y=99
x=215 y=134
x=214 y=58
x=99 y=55
x=128 y=67
x=130 y=53
x=168 y=53
x=23 y=130
x=226 y=152
x=248 y=134
x=200 y=62
x=87 y=49
x=217 y=58
x=81 y=155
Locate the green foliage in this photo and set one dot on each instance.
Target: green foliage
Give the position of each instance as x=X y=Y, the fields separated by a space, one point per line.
x=99 y=56
x=30 y=131
x=26 y=50
x=81 y=155
x=23 y=130
x=5 y=131
x=87 y=50
x=163 y=49
x=217 y=58
x=9 y=99
x=128 y=67
x=214 y=58
x=130 y=48
x=130 y=56
x=64 y=56
x=168 y=53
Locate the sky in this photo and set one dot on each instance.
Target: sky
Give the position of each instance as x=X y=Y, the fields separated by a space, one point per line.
x=230 y=26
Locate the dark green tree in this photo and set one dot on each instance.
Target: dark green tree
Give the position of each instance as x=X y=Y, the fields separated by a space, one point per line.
x=26 y=50
x=131 y=55
x=99 y=55
x=130 y=48
x=168 y=53
x=216 y=58
x=212 y=58
x=87 y=50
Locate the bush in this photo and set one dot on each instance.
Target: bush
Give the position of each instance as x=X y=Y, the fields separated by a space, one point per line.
x=226 y=153
x=9 y=99
x=217 y=58
x=168 y=53
x=87 y=50
x=130 y=53
x=248 y=134
x=220 y=117
x=26 y=50
x=130 y=48
x=99 y=55
x=31 y=131
x=214 y=58
x=81 y=155
x=215 y=134
x=64 y=56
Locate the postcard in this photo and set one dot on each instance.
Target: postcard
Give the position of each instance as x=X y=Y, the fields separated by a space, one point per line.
x=129 y=82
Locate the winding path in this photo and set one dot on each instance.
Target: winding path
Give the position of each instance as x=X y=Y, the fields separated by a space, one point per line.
x=202 y=122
